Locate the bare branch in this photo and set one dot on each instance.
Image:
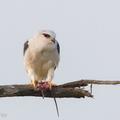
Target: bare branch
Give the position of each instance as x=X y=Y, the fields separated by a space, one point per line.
x=85 y=82
x=65 y=90
x=28 y=90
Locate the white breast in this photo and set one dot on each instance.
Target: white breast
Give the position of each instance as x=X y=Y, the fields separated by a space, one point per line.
x=38 y=62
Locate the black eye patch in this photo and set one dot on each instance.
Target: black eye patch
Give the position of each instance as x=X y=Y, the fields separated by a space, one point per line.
x=46 y=35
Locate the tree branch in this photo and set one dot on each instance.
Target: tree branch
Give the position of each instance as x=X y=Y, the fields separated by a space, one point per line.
x=85 y=82
x=65 y=90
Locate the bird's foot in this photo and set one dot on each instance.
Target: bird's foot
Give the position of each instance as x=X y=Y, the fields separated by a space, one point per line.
x=34 y=83
x=53 y=84
x=30 y=83
x=50 y=84
x=43 y=85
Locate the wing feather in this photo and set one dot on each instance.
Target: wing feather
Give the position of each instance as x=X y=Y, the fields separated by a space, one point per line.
x=58 y=48
x=25 y=47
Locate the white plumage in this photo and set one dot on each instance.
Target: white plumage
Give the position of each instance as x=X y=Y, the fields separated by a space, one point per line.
x=41 y=56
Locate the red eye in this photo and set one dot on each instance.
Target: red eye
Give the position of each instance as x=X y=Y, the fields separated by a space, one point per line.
x=46 y=35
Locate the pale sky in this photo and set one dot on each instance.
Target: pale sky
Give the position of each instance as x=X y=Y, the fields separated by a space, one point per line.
x=89 y=35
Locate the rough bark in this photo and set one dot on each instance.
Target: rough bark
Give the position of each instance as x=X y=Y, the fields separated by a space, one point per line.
x=68 y=90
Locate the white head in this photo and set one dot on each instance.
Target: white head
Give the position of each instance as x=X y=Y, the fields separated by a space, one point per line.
x=45 y=35
x=49 y=32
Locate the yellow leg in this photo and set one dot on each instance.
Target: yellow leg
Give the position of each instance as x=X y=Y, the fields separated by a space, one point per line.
x=30 y=83
x=39 y=81
x=53 y=84
x=34 y=82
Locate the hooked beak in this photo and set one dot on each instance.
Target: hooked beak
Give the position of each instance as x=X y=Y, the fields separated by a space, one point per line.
x=53 y=40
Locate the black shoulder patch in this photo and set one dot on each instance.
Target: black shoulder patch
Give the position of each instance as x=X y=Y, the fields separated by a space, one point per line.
x=58 y=48
x=25 y=47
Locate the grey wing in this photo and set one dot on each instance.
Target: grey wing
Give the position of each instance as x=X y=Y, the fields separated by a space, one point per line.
x=58 y=48
x=25 y=47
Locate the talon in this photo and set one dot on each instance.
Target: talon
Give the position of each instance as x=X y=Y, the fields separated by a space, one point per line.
x=51 y=84
x=43 y=85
